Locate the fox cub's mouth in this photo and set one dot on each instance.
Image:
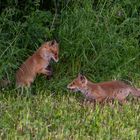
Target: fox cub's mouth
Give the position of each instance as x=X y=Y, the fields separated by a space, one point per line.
x=73 y=90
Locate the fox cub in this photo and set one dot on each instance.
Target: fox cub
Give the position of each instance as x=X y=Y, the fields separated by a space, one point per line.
x=104 y=90
x=38 y=63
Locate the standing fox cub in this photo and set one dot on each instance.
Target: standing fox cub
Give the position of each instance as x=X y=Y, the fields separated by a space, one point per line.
x=104 y=90
x=37 y=63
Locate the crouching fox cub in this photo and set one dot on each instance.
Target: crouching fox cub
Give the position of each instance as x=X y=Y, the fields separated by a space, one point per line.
x=104 y=90
x=37 y=63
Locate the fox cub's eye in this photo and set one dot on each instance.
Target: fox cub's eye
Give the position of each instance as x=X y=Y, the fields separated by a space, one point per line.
x=73 y=83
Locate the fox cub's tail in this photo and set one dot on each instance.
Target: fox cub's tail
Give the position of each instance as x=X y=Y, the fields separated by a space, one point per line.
x=135 y=91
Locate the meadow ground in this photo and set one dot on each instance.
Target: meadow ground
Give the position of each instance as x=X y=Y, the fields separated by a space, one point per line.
x=99 y=38
x=58 y=116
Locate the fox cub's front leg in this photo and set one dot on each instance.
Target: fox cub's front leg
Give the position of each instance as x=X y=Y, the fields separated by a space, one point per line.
x=46 y=71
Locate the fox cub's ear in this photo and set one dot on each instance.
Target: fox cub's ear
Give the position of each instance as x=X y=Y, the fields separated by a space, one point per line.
x=83 y=79
x=52 y=43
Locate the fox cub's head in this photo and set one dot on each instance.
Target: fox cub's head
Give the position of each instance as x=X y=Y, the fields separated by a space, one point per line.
x=51 y=50
x=78 y=83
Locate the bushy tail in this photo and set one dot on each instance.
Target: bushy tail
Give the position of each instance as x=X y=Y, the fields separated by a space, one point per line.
x=135 y=91
x=4 y=83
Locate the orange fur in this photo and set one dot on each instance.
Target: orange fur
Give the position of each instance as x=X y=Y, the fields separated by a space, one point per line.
x=37 y=63
x=104 y=90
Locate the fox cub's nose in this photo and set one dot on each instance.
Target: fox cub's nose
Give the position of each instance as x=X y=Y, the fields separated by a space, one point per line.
x=68 y=86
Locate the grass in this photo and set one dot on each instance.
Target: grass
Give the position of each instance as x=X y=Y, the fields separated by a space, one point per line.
x=99 y=38
x=58 y=116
